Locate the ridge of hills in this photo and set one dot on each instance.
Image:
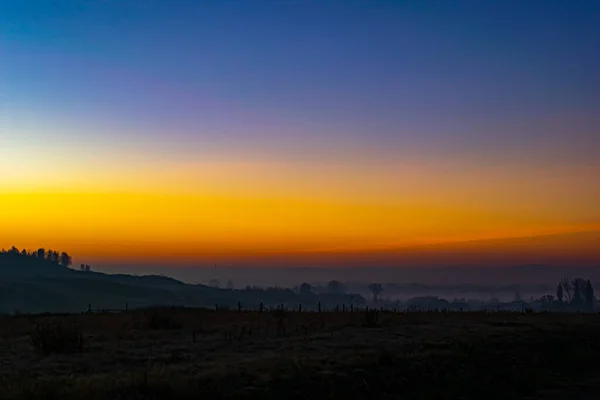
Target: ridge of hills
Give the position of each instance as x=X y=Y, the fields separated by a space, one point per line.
x=32 y=285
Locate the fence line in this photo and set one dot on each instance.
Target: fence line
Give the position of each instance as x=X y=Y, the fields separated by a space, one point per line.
x=300 y=308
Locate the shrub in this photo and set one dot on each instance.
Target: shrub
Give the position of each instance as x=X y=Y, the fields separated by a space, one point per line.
x=161 y=321
x=371 y=318
x=56 y=339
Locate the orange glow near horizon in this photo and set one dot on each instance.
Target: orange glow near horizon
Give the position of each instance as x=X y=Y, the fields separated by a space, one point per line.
x=201 y=216
x=256 y=205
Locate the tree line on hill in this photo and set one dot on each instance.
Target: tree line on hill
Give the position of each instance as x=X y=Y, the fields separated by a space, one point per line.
x=52 y=256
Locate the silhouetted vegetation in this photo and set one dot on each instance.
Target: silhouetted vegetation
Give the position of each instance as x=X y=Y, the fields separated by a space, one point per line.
x=52 y=256
x=376 y=289
x=579 y=295
x=85 y=268
x=336 y=287
x=55 y=338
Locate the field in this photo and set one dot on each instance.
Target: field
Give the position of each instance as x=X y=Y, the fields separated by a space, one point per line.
x=226 y=354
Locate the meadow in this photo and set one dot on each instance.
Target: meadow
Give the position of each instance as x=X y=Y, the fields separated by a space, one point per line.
x=177 y=352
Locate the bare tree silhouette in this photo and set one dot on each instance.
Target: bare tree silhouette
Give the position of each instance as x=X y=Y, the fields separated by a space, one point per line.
x=559 y=293
x=567 y=288
x=579 y=286
x=376 y=289
x=589 y=296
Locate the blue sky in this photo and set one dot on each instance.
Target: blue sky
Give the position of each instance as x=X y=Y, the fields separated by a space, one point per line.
x=487 y=109
x=360 y=67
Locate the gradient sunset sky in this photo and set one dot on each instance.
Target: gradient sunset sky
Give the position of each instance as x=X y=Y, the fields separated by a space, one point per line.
x=198 y=131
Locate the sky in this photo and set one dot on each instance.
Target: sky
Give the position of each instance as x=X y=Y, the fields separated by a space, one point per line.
x=201 y=132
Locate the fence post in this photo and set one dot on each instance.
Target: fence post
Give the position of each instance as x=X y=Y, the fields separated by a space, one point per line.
x=319 y=306
x=216 y=307
x=299 y=307
x=126 y=306
x=89 y=308
x=261 y=307
x=239 y=306
x=351 y=307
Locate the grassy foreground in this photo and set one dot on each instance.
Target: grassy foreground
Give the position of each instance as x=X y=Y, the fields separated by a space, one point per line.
x=207 y=354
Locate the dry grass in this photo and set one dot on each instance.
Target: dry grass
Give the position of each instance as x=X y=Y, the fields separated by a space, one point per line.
x=180 y=352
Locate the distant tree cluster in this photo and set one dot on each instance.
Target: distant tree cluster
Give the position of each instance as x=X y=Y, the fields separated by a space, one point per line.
x=577 y=293
x=85 y=268
x=53 y=256
x=337 y=287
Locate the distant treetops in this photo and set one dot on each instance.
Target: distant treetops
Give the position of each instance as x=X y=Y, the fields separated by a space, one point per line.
x=52 y=256
x=577 y=293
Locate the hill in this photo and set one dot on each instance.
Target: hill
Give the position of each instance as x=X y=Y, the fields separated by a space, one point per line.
x=29 y=284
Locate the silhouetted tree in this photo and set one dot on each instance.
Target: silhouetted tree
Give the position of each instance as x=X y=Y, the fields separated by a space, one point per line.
x=305 y=288
x=55 y=257
x=559 y=293
x=567 y=288
x=335 y=287
x=41 y=253
x=82 y=267
x=589 y=296
x=65 y=259
x=13 y=250
x=88 y=268
x=214 y=283
x=376 y=289
x=578 y=299
x=230 y=285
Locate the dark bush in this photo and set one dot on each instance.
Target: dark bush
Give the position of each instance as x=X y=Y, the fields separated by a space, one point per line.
x=371 y=318
x=161 y=321
x=56 y=339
